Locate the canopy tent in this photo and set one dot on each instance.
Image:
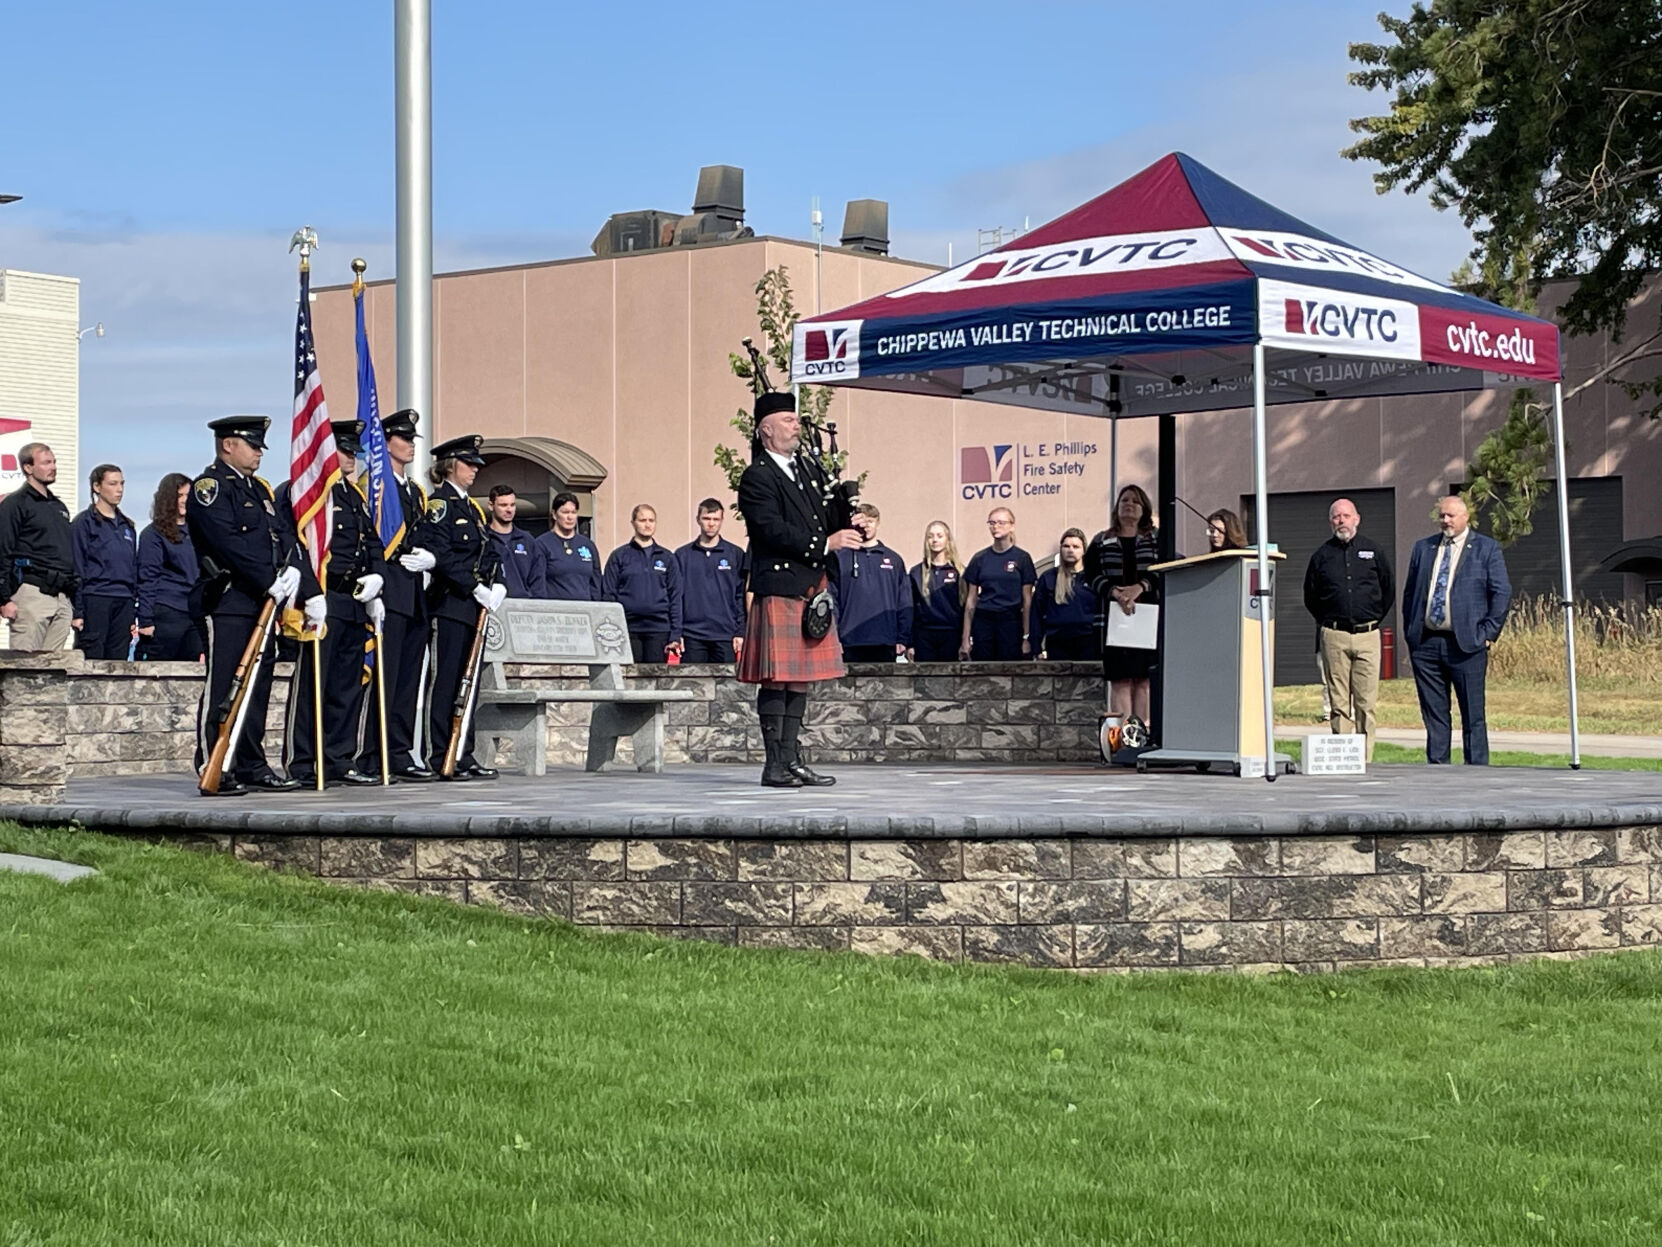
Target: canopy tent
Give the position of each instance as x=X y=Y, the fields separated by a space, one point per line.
x=1177 y=291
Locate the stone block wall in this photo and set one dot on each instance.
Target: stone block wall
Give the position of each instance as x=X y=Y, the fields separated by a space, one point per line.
x=1306 y=903
x=117 y=718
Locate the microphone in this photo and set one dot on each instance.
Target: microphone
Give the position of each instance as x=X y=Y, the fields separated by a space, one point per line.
x=1192 y=511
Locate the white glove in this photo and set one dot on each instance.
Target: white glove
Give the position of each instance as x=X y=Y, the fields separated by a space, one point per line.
x=499 y=595
x=369 y=587
x=316 y=610
x=377 y=611
x=485 y=595
x=284 y=587
x=418 y=560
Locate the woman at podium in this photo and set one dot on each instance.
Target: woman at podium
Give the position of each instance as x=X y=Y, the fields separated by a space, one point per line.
x=1224 y=530
x=1116 y=565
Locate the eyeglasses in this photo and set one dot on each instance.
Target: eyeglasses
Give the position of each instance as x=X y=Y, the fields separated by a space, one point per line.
x=998 y=523
x=1219 y=529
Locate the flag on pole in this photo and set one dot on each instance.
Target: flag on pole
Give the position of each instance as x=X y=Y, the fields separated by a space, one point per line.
x=385 y=506
x=314 y=467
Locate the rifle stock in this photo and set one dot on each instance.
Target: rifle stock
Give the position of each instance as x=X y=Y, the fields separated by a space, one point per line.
x=463 y=709
x=236 y=700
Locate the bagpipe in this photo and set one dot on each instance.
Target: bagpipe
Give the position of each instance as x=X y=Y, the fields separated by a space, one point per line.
x=818 y=450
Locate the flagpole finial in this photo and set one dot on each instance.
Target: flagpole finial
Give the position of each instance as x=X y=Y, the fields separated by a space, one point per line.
x=359 y=264
x=306 y=239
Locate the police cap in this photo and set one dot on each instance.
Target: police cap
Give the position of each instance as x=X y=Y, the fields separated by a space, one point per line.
x=250 y=428
x=348 y=435
x=401 y=424
x=462 y=449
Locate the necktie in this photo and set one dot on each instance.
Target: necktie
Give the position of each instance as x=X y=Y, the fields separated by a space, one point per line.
x=1439 y=591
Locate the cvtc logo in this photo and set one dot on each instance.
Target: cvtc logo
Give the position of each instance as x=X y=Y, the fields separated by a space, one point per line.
x=987 y=471
x=830 y=351
x=1339 y=320
x=11 y=473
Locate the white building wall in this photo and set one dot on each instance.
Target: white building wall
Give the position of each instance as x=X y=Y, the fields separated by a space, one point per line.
x=40 y=376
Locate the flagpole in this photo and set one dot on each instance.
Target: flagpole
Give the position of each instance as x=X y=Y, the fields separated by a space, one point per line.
x=317 y=701
x=381 y=705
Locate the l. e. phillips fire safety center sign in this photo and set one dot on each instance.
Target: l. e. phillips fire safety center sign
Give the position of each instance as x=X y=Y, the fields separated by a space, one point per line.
x=1008 y=470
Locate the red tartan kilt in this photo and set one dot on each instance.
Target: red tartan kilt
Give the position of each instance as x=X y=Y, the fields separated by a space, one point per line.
x=776 y=652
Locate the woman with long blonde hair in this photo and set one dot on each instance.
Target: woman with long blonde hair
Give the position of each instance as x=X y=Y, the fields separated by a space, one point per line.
x=937 y=597
x=1065 y=607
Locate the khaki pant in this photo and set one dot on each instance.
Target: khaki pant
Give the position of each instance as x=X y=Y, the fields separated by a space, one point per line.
x=42 y=621
x=1352 y=680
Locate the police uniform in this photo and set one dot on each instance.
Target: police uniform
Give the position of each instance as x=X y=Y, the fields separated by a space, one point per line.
x=243 y=542
x=354 y=553
x=403 y=647
x=785 y=514
x=454 y=529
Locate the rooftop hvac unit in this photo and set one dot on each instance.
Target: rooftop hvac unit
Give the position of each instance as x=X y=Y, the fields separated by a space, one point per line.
x=866 y=226
x=635 y=231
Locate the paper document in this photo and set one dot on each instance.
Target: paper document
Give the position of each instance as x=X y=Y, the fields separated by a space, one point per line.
x=1138 y=630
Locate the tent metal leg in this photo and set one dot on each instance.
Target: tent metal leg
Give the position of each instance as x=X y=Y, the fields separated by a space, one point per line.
x=1564 y=565
x=1265 y=601
x=1113 y=465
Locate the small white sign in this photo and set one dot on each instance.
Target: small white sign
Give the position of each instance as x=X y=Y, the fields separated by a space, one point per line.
x=1252 y=767
x=1329 y=753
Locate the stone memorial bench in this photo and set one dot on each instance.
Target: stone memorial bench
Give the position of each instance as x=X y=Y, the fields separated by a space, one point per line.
x=567 y=633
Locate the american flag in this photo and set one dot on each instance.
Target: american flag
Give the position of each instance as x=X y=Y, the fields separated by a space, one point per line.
x=314 y=468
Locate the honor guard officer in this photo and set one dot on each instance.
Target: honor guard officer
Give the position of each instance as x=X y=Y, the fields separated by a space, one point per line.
x=404 y=635
x=712 y=590
x=571 y=562
x=248 y=551
x=782 y=496
x=464 y=582
x=37 y=556
x=353 y=577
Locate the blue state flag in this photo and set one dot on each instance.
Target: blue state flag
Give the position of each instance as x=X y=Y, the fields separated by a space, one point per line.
x=386 y=508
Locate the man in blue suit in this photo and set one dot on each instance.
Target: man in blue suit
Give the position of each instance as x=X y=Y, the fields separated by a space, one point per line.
x=1454 y=604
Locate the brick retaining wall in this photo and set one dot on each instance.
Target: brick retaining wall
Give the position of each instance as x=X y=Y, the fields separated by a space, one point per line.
x=1308 y=903
x=64 y=717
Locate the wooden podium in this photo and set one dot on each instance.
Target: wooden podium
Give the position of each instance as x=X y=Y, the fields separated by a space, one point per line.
x=1212 y=664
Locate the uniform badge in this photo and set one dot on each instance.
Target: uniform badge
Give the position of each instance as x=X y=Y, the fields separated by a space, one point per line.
x=584 y=551
x=658 y=565
x=207 y=490
x=1010 y=566
x=436 y=508
x=269 y=508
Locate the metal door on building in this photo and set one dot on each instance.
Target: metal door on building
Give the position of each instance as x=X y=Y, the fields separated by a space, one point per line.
x=1298 y=524
x=1532 y=562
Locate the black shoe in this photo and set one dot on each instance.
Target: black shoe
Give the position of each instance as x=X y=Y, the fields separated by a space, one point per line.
x=809 y=778
x=271 y=782
x=354 y=779
x=475 y=771
x=776 y=775
x=413 y=774
x=228 y=787
x=461 y=776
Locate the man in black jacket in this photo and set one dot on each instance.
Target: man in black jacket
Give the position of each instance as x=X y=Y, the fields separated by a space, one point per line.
x=37 y=556
x=783 y=498
x=1349 y=589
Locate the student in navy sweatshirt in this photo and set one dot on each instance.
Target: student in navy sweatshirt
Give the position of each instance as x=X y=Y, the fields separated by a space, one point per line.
x=106 y=560
x=712 y=591
x=938 y=590
x=1065 y=607
x=874 y=596
x=643 y=577
x=998 y=608
x=169 y=630
x=522 y=558
x=571 y=562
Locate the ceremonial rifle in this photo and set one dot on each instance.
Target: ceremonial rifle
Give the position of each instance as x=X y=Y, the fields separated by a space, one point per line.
x=234 y=708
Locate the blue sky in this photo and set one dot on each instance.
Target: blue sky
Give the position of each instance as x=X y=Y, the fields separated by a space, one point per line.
x=170 y=148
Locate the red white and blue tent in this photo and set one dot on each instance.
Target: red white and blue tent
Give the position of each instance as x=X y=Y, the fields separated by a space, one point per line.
x=1178 y=291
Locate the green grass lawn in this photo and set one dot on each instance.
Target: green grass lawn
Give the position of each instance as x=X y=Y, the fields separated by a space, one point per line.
x=1625 y=707
x=1384 y=752
x=196 y=1052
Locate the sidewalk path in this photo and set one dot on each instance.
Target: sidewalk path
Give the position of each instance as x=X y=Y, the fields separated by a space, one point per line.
x=63 y=872
x=1592 y=743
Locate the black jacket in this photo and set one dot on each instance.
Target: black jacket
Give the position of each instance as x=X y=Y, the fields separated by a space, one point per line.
x=37 y=543
x=454 y=529
x=403 y=593
x=242 y=540
x=354 y=549
x=1348 y=582
x=788 y=527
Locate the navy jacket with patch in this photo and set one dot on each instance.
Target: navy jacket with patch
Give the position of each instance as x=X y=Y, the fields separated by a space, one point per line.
x=712 y=590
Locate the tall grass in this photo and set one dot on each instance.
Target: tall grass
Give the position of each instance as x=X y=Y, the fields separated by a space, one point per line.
x=1616 y=642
